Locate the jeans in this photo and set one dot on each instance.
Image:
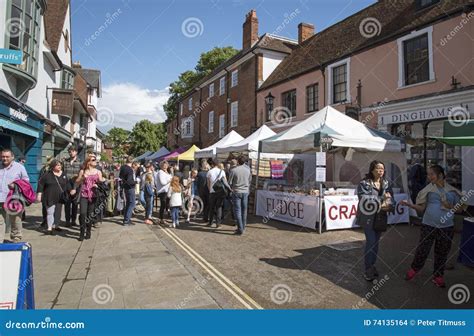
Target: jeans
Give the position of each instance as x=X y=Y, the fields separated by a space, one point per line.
x=70 y=208
x=142 y=198
x=164 y=203
x=175 y=214
x=148 y=206
x=54 y=215
x=216 y=201
x=86 y=216
x=372 y=238
x=240 y=203
x=129 y=204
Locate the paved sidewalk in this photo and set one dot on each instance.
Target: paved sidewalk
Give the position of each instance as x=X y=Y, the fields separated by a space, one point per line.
x=119 y=267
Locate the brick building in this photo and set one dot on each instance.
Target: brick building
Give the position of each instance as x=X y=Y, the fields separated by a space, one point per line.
x=225 y=99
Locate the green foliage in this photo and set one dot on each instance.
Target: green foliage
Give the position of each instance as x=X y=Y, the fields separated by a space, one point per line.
x=117 y=137
x=147 y=136
x=208 y=61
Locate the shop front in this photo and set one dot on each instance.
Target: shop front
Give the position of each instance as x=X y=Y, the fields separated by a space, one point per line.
x=21 y=130
x=419 y=121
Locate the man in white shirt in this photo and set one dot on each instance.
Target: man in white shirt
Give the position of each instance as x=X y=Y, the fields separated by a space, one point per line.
x=10 y=171
x=216 y=198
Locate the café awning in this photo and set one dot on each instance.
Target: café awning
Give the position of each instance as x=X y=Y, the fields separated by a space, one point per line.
x=457 y=133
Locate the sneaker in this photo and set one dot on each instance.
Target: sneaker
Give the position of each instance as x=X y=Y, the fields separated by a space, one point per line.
x=16 y=240
x=410 y=274
x=177 y=223
x=439 y=281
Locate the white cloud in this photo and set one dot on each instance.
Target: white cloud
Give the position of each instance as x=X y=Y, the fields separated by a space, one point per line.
x=124 y=104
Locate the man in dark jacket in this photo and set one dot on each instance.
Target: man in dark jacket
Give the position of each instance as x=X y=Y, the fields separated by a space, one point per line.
x=127 y=177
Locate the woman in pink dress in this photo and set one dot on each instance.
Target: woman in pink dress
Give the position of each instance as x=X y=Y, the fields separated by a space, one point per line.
x=88 y=178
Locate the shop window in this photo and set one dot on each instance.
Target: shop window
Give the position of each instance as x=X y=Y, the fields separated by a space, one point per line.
x=312 y=98
x=24 y=34
x=288 y=99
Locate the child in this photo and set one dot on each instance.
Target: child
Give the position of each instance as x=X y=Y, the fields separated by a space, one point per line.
x=191 y=191
x=148 y=193
x=176 y=200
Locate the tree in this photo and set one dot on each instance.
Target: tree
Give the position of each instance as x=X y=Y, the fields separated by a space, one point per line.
x=117 y=137
x=147 y=136
x=208 y=61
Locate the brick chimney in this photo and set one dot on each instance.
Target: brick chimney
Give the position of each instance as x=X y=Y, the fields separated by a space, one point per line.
x=250 y=29
x=305 y=31
x=77 y=65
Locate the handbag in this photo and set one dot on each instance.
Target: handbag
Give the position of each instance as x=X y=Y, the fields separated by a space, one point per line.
x=219 y=186
x=63 y=196
x=380 y=223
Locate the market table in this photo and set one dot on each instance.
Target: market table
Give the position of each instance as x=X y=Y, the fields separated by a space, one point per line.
x=466 y=249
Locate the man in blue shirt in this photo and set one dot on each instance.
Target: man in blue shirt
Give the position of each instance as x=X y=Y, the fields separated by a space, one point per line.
x=10 y=171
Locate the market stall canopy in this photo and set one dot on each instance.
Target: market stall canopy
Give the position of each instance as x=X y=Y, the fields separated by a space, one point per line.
x=338 y=128
x=188 y=155
x=231 y=138
x=457 y=133
x=143 y=156
x=161 y=152
x=250 y=143
x=173 y=155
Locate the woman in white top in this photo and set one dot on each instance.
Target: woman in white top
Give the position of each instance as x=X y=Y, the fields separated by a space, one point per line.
x=162 y=181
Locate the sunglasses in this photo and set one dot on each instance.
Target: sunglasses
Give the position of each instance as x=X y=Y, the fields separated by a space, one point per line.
x=93 y=160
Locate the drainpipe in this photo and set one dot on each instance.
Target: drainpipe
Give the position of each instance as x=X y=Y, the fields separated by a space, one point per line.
x=200 y=116
x=323 y=72
x=227 y=99
x=256 y=124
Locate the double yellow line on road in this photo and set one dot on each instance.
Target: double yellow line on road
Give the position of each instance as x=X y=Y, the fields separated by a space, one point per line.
x=231 y=287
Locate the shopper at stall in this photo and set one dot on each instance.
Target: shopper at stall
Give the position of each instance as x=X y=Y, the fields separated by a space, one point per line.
x=439 y=201
x=148 y=192
x=128 y=181
x=10 y=171
x=218 y=191
x=162 y=180
x=375 y=200
x=52 y=191
x=203 y=189
x=175 y=195
x=71 y=167
x=240 y=179
x=88 y=178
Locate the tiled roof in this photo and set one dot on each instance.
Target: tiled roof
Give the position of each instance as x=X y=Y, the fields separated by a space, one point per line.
x=92 y=77
x=266 y=41
x=54 y=18
x=346 y=37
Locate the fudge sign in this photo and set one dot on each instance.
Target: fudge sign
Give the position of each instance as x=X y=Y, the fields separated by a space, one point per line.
x=301 y=210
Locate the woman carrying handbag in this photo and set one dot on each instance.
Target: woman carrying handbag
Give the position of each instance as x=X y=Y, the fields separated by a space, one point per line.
x=53 y=192
x=375 y=201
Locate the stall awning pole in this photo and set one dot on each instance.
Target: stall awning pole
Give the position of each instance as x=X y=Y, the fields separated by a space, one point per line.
x=258 y=172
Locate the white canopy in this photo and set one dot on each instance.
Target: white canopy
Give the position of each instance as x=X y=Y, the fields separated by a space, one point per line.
x=330 y=123
x=250 y=143
x=231 y=138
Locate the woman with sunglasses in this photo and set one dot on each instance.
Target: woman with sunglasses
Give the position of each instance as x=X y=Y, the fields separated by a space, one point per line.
x=88 y=178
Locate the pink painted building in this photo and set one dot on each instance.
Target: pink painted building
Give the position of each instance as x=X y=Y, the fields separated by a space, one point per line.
x=404 y=67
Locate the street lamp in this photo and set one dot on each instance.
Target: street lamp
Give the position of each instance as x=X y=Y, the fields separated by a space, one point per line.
x=269 y=103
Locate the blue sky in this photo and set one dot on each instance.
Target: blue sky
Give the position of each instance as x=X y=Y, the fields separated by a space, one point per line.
x=141 y=46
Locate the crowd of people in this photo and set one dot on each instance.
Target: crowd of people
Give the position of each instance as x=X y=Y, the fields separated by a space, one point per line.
x=210 y=192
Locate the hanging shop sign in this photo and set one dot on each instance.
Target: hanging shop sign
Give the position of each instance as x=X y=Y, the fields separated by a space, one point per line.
x=63 y=101
x=19 y=115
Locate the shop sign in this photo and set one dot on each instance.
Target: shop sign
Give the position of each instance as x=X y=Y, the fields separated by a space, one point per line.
x=341 y=211
x=19 y=115
x=11 y=56
x=301 y=210
x=63 y=103
x=414 y=116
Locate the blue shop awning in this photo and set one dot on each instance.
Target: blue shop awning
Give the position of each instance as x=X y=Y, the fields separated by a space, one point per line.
x=13 y=126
